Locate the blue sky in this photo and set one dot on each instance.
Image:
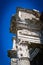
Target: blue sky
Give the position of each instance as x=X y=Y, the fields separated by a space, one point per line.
x=7 y=9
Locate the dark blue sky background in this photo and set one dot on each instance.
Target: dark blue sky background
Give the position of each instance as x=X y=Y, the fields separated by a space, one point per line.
x=7 y=9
